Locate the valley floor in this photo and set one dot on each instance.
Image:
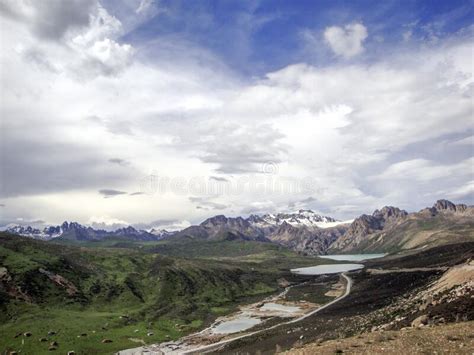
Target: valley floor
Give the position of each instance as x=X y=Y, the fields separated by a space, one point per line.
x=443 y=339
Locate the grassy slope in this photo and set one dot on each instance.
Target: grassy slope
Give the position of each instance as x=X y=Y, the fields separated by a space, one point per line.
x=175 y=294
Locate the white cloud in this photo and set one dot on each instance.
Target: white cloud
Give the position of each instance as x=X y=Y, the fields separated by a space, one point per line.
x=106 y=223
x=50 y=19
x=424 y=170
x=346 y=41
x=75 y=37
x=185 y=115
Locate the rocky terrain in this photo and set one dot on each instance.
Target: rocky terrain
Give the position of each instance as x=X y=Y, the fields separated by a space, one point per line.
x=389 y=300
x=457 y=338
x=389 y=229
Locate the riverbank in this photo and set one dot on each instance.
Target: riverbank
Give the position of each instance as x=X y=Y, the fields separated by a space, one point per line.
x=207 y=340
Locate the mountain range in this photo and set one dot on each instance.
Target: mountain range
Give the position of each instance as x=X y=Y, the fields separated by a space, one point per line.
x=78 y=232
x=305 y=231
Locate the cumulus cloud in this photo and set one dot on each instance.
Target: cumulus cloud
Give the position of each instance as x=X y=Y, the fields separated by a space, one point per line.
x=106 y=223
x=74 y=36
x=346 y=41
x=50 y=19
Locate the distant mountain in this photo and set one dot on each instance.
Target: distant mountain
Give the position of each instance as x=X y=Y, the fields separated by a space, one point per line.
x=161 y=233
x=368 y=224
x=307 y=240
x=302 y=218
x=221 y=228
x=385 y=230
x=303 y=231
x=78 y=232
x=28 y=231
x=392 y=229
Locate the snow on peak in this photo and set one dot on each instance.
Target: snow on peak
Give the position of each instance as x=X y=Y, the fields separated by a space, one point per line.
x=301 y=218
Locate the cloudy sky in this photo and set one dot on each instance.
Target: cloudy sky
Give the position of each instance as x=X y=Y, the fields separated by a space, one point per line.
x=167 y=112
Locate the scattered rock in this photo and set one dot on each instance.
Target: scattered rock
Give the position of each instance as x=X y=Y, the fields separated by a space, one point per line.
x=43 y=340
x=52 y=348
x=18 y=335
x=105 y=341
x=51 y=333
x=420 y=321
x=53 y=343
x=150 y=334
x=71 y=353
x=27 y=334
x=453 y=338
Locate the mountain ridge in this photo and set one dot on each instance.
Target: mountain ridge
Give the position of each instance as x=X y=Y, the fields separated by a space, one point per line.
x=386 y=229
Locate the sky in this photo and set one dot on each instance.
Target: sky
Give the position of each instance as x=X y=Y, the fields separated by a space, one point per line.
x=164 y=113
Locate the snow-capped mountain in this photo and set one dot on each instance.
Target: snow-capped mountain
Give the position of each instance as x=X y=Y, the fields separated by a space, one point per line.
x=161 y=233
x=28 y=231
x=301 y=218
x=76 y=231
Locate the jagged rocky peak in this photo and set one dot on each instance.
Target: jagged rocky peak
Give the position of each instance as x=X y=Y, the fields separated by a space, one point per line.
x=160 y=232
x=127 y=231
x=221 y=220
x=445 y=205
x=71 y=225
x=74 y=230
x=216 y=220
x=389 y=213
x=285 y=226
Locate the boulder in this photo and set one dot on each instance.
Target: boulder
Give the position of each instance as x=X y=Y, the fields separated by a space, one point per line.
x=420 y=321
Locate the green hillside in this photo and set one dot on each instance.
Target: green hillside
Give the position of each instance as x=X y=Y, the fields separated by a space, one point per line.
x=90 y=294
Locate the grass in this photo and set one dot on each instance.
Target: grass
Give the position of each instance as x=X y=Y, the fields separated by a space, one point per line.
x=168 y=289
x=69 y=324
